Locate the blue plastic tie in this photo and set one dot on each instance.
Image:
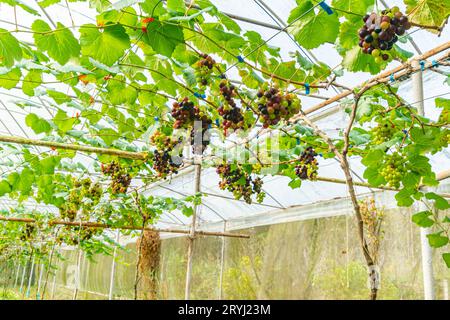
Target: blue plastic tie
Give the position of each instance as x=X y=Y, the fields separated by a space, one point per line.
x=320 y=155
x=197 y=95
x=209 y=126
x=307 y=88
x=434 y=63
x=156 y=118
x=217 y=122
x=392 y=78
x=298 y=141
x=422 y=65
x=326 y=7
x=203 y=96
x=240 y=59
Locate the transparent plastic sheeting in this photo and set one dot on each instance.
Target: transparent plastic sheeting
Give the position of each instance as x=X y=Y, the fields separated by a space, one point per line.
x=308 y=259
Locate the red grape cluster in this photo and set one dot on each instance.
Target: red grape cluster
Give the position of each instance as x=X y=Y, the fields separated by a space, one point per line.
x=308 y=165
x=163 y=161
x=204 y=69
x=121 y=179
x=240 y=183
x=380 y=32
x=232 y=115
x=274 y=106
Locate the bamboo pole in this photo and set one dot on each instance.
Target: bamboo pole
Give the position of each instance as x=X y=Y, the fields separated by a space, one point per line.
x=74 y=147
x=109 y=226
x=375 y=80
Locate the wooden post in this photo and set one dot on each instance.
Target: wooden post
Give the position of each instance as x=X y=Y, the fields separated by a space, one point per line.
x=113 y=269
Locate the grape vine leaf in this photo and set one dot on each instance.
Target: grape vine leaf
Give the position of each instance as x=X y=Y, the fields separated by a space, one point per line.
x=422 y=219
x=21 y=4
x=311 y=29
x=31 y=81
x=355 y=8
x=10 y=78
x=105 y=46
x=37 y=124
x=428 y=12
x=60 y=44
x=446 y=257
x=436 y=240
x=163 y=37
x=10 y=50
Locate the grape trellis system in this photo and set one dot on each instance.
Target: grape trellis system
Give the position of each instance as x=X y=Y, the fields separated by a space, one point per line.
x=149 y=90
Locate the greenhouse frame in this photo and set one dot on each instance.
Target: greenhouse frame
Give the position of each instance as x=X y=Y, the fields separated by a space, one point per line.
x=224 y=150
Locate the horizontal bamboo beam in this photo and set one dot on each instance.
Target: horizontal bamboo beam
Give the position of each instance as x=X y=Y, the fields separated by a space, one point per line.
x=96 y=225
x=375 y=80
x=74 y=147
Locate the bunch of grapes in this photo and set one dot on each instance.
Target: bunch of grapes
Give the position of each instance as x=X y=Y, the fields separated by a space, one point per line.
x=308 y=165
x=121 y=179
x=240 y=183
x=84 y=195
x=380 y=32
x=186 y=113
x=232 y=115
x=73 y=235
x=395 y=167
x=204 y=69
x=383 y=132
x=163 y=160
x=275 y=106
x=27 y=233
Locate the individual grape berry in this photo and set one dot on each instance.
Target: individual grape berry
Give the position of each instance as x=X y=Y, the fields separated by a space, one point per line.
x=240 y=183
x=204 y=69
x=275 y=106
x=307 y=167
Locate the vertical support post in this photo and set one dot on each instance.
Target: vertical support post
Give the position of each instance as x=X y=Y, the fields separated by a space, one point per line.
x=427 y=257
x=113 y=269
x=222 y=261
x=17 y=275
x=198 y=146
x=78 y=275
x=30 y=277
x=53 y=286
x=23 y=278
x=39 y=282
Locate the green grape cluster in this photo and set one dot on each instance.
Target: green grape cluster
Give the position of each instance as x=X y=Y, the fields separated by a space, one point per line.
x=240 y=183
x=204 y=69
x=121 y=179
x=383 y=132
x=83 y=196
x=163 y=159
x=74 y=235
x=28 y=232
x=395 y=167
x=275 y=106
x=308 y=165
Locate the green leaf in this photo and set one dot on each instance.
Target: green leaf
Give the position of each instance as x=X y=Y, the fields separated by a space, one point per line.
x=403 y=197
x=357 y=7
x=446 y=257
x=58 y=97
x=422 y=219
x=436 y=240
x=106 y=45
x=428 y=12
x=10 y=79
x=355 y=60
x=187 y=211
x=311 y=30
x=10 y=50
x=176 y=5
x=37 y=124
x=163 y=38
x=63 y=121
x=5 y=187
x=60 y=43
x=119 y=5
x=31 y=81
x=373 y=158
x=439 y=202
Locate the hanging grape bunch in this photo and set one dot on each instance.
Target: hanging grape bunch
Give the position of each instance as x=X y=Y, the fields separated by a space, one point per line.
x=308 y=165
x=204 y=69
x=395 y=167
x=73 y=235
x=383 y=132
x=274 y=106
x=163 y=161
x=229 y=111
x=380 y=32
x=188 y=116
x=27 y=233
x=121 y=179
x=240 y=183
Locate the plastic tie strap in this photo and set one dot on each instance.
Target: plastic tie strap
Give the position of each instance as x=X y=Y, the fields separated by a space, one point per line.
x=392 y=78
x=298 y=141
x=197 y=95
x=307 y=88
x=326 y=7
x=240 y=59
x=422 y=65
x=434 y=63
x=156 y=119
x=217 y=122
